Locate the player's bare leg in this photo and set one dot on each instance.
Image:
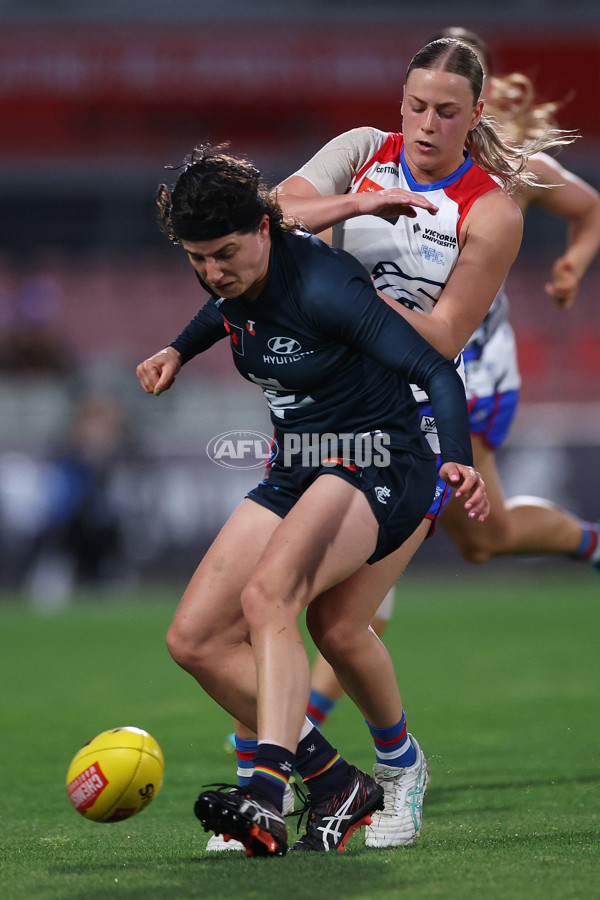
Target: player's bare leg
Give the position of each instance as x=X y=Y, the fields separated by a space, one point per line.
x=340 y=622
x=325 y=689
x=208 y=635
x=519 y=526
x=303 y=559
x=329 y=532
x=360 y=658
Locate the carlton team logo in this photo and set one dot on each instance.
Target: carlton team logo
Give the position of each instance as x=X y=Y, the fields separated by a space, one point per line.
x=240 y=449
x=237 y=336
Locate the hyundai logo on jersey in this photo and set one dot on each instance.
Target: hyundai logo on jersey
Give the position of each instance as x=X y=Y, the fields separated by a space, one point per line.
x=284 y=345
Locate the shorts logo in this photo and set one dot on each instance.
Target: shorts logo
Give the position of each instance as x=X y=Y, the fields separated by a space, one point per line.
x=428 y=424
x=284 y=345
x=383 y=494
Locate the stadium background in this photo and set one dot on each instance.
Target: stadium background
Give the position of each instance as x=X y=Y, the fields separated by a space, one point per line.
x=99 y=483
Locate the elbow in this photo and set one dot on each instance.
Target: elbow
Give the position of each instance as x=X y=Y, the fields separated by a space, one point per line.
x=449 y=347
x=448 y=340
x=289 y=204
x=451 y=352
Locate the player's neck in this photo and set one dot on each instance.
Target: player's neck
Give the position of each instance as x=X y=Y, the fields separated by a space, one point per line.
x=431 y=175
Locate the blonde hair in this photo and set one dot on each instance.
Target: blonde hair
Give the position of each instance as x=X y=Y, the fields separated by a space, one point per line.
x=496 y=153
x=512 y=102
x=491 y=147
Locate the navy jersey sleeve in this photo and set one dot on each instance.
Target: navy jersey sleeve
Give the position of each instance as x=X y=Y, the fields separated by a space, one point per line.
x=205 y=329
x=350 y=310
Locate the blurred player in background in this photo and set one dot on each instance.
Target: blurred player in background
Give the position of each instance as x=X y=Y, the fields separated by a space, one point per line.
x=520 y=525
x=523 y=525
x=318 y=516
x=449 y=266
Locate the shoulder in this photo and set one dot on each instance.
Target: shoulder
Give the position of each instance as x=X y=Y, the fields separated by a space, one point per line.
x=547 y=172
x=498 y=203
x=556 y=189
x=323 y=270
x=361 y=139
x=476 y=182
x=543 y=166
x=495 y=214
x=468 y=189
x=319 y=257
x=334 y=166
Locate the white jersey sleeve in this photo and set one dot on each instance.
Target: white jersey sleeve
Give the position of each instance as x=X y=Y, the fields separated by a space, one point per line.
x=332 y=169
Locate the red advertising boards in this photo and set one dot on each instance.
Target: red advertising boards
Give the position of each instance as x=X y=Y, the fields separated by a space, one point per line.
x=126 y=90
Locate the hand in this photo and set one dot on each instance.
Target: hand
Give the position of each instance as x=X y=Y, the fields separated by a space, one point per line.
x=564 y=285
x=467 y=482
x=391 y=203
x=158 y=373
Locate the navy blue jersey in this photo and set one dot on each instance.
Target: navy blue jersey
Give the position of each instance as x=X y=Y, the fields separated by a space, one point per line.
x=330 y=355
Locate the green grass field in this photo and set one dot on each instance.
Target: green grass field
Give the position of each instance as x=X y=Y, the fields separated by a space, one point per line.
x=500 y=675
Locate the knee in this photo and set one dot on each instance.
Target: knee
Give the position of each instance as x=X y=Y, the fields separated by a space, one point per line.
x=333 y=638
x=266 y=606
x=473 y=552
x=190 y=651
x=474 y=547
x=254 y=600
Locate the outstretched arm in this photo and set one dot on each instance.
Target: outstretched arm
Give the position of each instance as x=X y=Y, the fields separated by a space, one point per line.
x=572 y=199
x=299 y=198
x=158 y=372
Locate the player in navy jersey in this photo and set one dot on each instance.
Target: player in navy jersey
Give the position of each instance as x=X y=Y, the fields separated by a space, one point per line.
x=351 y=478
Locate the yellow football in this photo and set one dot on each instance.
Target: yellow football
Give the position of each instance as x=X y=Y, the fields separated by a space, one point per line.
x=115 y=775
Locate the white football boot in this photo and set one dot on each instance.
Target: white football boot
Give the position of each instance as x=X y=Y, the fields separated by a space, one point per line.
x=218 y=842
x=404 y=789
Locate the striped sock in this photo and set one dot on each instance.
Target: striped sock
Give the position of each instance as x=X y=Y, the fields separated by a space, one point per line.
x=393 y=746
x=589 y=544
x=245 y=750
x=321 y=767
x=319 y=707
x=273 y=766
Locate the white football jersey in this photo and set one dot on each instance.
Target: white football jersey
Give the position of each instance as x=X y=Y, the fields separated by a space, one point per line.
x=409 y=259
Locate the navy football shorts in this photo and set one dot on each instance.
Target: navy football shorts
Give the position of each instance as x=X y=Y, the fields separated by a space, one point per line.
x=399 y=494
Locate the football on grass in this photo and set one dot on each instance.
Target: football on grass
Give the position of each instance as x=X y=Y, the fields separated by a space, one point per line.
x=115 y=775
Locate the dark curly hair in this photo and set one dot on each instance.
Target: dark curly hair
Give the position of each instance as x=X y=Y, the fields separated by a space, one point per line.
x=214 y=195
